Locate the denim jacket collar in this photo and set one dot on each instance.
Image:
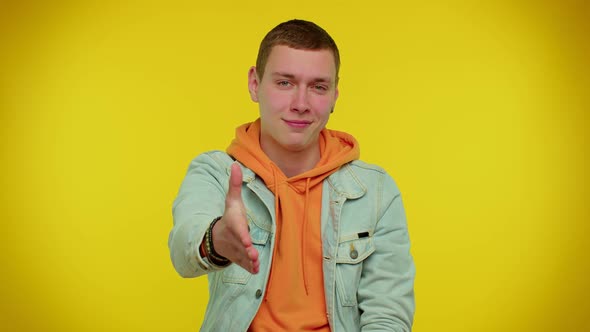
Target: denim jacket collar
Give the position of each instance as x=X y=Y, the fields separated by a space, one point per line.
x=344 y=182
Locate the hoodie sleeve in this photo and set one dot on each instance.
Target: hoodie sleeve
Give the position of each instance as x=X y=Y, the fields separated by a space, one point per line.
x=386 y=289
x=201 y=199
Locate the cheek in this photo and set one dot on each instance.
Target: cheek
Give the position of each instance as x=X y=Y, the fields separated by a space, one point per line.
x=323 y=106
x=274 y=100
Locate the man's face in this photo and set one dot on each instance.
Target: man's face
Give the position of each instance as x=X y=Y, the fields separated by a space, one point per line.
x=295 y=97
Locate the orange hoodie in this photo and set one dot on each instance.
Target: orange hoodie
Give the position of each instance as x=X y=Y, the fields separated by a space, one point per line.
x=294 y=299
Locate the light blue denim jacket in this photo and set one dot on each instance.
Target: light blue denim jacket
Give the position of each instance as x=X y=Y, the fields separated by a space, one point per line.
x=368 y=269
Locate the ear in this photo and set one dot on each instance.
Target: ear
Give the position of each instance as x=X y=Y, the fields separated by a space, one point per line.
x=335 y=98
x=253 y=84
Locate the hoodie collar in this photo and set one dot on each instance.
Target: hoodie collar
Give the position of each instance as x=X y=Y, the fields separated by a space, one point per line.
x=345 y=182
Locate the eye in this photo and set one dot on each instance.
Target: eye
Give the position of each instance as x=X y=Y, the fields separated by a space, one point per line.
x=283 y=83
x=320 y=88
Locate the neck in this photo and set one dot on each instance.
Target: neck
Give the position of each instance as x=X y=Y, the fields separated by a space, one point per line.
x=292 y=163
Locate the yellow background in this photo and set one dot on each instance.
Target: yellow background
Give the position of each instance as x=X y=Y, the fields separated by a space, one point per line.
x=479 y=111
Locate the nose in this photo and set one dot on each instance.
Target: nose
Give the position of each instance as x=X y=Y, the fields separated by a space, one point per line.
x=300 y=101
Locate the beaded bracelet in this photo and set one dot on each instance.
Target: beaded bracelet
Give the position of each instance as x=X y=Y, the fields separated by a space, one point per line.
x=214 y=258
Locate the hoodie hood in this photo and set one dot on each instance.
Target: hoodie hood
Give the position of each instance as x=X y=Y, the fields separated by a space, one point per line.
x=336 y=149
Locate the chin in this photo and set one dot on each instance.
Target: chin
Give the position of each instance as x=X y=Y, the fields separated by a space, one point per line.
x=294 y=146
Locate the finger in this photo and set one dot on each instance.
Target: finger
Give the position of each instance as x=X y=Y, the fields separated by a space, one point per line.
x=254 y=261
x=235 y=183
x=256 y=267
x=252 y=254
x=246 y=264
x=245 y=237
x=248 y=259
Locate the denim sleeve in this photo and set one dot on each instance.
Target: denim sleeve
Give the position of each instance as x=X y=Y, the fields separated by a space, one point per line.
x=201 y=199
x=386 y=289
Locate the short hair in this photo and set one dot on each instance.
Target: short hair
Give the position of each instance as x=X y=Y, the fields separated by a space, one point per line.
x=298 y=34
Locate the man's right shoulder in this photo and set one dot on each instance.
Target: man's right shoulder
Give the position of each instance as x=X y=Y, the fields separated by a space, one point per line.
x=215 y=158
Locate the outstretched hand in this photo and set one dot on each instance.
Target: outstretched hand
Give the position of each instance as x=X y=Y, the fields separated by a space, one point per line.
x=231 y=237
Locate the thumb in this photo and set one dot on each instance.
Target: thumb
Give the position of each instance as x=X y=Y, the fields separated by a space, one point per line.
x=235 y=183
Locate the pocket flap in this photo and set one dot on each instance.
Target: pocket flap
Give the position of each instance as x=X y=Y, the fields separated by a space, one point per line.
x=355 y=251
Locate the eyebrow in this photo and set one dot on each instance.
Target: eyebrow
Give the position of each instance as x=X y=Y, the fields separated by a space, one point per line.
x=291 y=76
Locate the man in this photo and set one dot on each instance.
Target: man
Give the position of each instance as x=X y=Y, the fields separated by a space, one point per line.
x=294 y=232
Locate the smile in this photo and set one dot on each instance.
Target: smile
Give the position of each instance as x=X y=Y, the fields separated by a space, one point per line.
x=297 y=123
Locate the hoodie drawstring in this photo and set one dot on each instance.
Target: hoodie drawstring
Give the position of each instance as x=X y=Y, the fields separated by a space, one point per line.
x=277 y=202
x=277 y=211
x=304 y=234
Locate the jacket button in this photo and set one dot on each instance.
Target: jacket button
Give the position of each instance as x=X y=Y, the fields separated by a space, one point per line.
x=258 y=293
x=354 y=254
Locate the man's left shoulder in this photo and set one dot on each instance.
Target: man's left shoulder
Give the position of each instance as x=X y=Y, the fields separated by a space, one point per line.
x=361 y=166
x=370 y=176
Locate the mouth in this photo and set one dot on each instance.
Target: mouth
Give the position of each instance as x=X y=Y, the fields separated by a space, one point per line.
x=297 y=123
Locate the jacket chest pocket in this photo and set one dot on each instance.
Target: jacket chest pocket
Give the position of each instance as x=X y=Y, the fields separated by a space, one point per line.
x=235 y=274
x=349 y=266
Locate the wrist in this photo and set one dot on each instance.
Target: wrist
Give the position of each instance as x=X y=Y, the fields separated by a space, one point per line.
x=213 y=256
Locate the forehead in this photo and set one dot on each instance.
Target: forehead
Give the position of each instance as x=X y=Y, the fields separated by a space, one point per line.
x=301 y=63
